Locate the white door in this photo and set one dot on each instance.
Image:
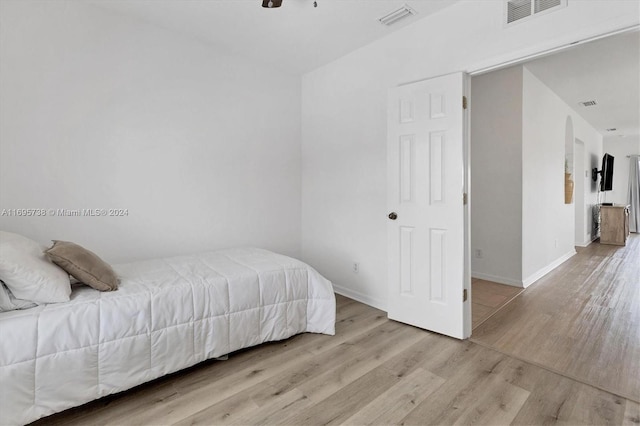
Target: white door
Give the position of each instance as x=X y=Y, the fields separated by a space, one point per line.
x=426 y=224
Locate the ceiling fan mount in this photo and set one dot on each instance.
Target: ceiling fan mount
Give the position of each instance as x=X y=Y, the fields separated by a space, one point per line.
x=272 y=4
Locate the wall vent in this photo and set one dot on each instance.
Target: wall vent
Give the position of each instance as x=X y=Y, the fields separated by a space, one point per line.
x=588 y=103
x=396 y=15
x=517 y=10
x=542 y=5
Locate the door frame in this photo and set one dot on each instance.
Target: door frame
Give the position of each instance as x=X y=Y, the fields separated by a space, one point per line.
x=579 y=191
x=466 y=161
x=495 y=66
x=500 y=64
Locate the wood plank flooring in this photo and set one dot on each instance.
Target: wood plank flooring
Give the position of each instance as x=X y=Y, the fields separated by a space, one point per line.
x=373 y=371
x=581 y=320
x=488 y=297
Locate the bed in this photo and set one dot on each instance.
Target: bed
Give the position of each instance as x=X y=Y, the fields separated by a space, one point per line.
x=167 y=314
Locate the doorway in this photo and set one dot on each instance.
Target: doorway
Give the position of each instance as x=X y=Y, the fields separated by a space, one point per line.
x=527 y=131
x=580 y=175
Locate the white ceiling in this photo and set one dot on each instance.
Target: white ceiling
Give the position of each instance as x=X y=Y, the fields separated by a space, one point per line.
x=298 y=37
x=295 y=37
x=605 y=70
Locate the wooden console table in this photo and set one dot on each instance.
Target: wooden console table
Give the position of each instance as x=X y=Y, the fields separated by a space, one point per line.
x=614 y=224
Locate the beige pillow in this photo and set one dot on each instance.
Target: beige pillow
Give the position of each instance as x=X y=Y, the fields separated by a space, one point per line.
x=83 y=265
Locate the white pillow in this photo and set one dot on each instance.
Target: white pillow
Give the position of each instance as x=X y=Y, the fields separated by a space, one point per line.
x=10 y=303
x=28 y=273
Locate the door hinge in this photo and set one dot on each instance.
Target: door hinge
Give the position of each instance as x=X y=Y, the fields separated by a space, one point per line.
x=464 y=295
x=464 y=102
x=464 y=198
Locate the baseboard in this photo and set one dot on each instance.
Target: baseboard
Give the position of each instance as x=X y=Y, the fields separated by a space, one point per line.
x=382 y=305
x=360 y=297
x=497 y=279
x=586 y=244
x=550 y=267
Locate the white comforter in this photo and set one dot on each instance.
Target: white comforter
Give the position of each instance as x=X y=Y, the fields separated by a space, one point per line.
x=168 y=314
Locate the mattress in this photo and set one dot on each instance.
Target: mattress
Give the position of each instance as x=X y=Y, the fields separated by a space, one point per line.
x=167 y=314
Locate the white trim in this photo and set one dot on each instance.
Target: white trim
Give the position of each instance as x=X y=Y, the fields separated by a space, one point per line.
x=587 y=243
x=497 y=279
x=467 y=317
x=360 y=297
x=550 y=267
x=496 y=63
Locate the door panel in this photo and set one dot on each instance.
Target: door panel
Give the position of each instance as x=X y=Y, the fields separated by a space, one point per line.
x=425 y=189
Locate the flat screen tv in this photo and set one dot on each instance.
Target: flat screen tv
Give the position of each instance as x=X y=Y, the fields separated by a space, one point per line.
x=606 y=179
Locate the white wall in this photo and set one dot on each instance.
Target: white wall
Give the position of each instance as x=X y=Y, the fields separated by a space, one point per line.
x=580 y=178
x=548 y=230
x=519 y=131
x=98 y=110
x=620 y=148
x=344 y=120
x=496 y=176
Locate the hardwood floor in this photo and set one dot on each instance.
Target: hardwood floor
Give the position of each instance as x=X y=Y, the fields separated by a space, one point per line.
x=373 y=371
x=487 y=298
x=581 y=320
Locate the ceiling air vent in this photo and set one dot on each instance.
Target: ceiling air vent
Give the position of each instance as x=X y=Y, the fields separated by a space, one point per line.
x=396 y=15
x=613 y=129
x=588 y=103
x=517 y=10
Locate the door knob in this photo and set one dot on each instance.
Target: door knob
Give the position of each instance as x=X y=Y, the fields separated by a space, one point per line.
x=393 y=215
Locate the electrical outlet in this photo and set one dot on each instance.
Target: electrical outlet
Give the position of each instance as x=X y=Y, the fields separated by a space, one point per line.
x=356 y=267
x=478 y=253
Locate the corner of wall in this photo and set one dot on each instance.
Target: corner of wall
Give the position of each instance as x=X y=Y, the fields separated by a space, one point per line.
x=526 y=282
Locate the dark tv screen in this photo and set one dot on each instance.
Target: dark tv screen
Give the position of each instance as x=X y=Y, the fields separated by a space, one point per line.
x=606 y=182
